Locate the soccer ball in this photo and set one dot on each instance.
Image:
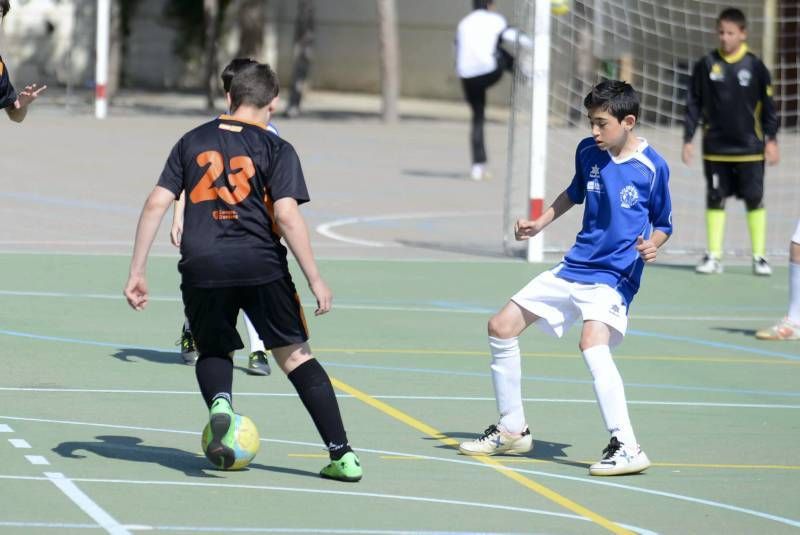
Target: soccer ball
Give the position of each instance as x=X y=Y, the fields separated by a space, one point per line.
x=245 y=444
x=559 y=7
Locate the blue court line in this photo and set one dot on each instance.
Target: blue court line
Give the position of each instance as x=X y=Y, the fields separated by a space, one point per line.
x=717 y=345
x=428 y=371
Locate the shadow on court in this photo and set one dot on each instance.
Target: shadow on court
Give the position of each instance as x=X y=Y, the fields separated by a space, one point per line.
x=159 y=357
x=126 y=448
x=423 y=173
x=542 y=450
x=749 y=333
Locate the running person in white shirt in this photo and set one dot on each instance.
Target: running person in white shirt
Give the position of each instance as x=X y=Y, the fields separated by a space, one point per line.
x=477 y=49
x=628 y=216
x=789 y=327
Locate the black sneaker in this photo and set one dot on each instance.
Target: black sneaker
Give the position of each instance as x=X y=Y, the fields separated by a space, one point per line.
x=188 y=351
x=258 y=364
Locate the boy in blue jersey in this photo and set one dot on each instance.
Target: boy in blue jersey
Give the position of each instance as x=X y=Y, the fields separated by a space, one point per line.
x=628 y=216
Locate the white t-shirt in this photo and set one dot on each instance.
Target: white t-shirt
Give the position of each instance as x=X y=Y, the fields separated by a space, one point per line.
x=476 y=42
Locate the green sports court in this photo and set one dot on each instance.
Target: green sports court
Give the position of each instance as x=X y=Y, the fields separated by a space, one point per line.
x=101 y=420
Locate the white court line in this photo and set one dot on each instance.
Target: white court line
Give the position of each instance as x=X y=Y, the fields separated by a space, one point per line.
x=387 y=308
x=37 y=460
x=325 y=228
x=400 y=497
x=399 y=397
x=230 y=529
x=476 y=464
x=19 y=443
x=103 y=519
x=5 y=429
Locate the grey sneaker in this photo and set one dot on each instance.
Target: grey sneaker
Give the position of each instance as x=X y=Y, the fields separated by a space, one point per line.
x=618 y=460
x=495 y=441
x=258 y=364
x=761 y=266
x=708 y=265
x=188 y=351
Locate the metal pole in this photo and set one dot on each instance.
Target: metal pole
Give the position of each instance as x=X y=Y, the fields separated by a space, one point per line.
x=101 y=65
x=770 y=34
x=539 y=113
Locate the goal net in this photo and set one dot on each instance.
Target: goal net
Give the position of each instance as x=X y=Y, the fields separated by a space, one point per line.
x=653 y=44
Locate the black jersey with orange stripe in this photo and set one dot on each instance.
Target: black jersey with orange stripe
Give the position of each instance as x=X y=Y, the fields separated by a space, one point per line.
x=7 y=94
x=232 y=172
x=732 y=97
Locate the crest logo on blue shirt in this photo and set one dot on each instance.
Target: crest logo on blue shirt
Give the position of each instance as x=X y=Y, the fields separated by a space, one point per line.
x=628 y=197
x=595 y=172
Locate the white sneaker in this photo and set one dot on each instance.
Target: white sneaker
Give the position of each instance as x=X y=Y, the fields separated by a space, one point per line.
x=477 y=172
x=783 y=330
x=495 y=441
x=708 y=265
x=618 y=460
x=761 y=266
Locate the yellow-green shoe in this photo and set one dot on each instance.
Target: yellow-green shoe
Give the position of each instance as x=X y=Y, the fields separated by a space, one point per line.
x=220 y=450
x=348 y=468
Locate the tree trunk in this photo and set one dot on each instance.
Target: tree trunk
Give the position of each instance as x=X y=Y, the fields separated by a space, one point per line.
x=252 y=18
x=210 y=15
x=303 y=41
x=114 y=49
x=390 y=59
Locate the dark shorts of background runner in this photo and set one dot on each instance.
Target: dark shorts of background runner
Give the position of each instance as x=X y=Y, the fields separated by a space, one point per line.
x=745 y=180
x=273 y=308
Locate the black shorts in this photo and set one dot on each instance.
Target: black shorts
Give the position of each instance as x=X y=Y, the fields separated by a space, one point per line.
x=273 y=308
x=745 y=180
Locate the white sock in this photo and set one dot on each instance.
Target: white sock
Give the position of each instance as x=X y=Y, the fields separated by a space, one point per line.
x=255 y=340
x=610 y=394
x=794 y=292
x=186 y=325
x=477 y=171
x=507 y=379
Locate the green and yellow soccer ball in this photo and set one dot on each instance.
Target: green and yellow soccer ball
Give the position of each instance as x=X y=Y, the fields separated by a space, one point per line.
x=245 y=442
x=559 y=7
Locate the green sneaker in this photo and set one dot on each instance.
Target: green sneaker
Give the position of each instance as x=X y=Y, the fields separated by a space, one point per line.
x=188 y=351
x=348 y=468
x=220 y=450
x=258 y=364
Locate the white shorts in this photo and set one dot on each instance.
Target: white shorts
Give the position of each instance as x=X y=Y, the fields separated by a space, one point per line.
x=796 y=237
x=559 y=303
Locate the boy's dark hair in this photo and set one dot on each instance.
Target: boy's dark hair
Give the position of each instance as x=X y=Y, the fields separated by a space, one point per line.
x=5 y=7
x=481 y=4
x=231 y=69
x=254 y=85
x=614 y=96
x=733 y=15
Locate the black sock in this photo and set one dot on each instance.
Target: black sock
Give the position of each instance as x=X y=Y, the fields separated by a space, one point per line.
x=215 y=376
x=315 y=391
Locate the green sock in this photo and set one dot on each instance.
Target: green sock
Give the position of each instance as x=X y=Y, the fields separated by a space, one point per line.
x=757 y=223
x=715 y=227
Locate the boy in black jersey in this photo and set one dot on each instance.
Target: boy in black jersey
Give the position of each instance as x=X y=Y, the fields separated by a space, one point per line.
x=243 y=186
x=730 y=92
x=15 y=104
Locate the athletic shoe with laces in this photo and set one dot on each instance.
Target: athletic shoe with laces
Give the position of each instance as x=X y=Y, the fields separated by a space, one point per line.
x=785 y=329
x=257 y=364
x=761 y=266
x=618 y=460
x=348 y=468
x=188 y=351
x=495 y=441
x=708 y=265
x=220 y=449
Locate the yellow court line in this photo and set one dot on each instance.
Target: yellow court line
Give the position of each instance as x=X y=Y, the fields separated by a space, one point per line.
x=668 y=358
x=447 y=441
x=522 y=460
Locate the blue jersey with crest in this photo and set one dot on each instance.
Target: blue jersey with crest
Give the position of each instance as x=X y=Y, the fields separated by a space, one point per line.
x=625 y=198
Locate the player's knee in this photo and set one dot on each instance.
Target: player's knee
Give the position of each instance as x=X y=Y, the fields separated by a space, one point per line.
x=715 y=200
x=498 y=328
x=794 y=253
x=754 y=203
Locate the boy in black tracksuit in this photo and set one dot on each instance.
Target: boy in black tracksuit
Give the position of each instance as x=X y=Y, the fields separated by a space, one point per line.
x=730 y=92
